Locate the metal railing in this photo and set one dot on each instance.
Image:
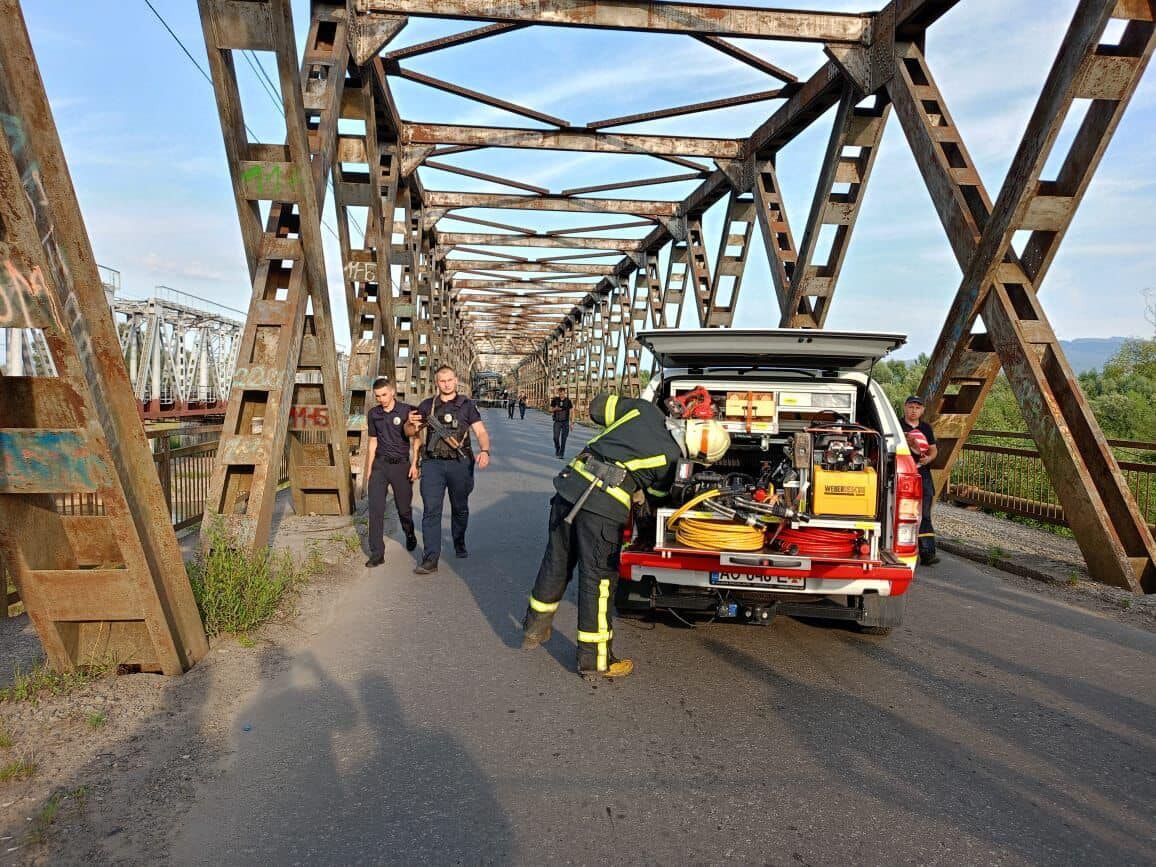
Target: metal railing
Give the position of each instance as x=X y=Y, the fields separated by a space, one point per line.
x=1002 y=470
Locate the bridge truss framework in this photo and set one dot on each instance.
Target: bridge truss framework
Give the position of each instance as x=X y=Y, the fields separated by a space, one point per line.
x=569 y=317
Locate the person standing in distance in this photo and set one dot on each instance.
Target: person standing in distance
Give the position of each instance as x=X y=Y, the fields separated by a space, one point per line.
x=560 y=406
x=522 y=406
x=390 y=462
x=447 y=464
x=511 y=403
x=921 y=438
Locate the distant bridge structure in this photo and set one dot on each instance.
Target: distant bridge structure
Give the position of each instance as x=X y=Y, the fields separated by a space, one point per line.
x=431 y=276
x=180 y=351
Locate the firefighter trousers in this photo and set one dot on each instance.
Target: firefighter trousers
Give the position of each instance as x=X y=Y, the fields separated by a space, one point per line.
x=589 y=545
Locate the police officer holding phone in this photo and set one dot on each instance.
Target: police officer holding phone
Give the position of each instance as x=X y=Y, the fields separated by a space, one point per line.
x=390 y=462
x=448 y=461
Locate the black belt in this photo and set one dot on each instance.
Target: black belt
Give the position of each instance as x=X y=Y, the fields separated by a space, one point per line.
x=390 y=460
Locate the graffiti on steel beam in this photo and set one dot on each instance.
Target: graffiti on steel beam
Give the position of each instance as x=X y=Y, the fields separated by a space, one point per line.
x=307 y=417
x=258 y=377
x=361 y=272
x=48 y=461
x=270 y=182
x=24 y=301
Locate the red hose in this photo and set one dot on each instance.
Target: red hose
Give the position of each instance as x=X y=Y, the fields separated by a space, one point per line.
x=814 y=542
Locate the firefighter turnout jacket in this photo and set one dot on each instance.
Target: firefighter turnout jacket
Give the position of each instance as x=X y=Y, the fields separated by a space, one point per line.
x=635 y=438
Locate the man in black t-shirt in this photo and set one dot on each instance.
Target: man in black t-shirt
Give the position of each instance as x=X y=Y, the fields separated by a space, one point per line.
x=390 y=462
x=447 y=464
x=921 y=439
x=560 y=407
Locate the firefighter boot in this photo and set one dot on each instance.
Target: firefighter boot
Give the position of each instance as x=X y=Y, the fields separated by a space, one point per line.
x=536 y=628
x=615 y=668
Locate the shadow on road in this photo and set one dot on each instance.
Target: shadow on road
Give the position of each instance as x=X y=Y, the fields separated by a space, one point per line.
x=981 y=760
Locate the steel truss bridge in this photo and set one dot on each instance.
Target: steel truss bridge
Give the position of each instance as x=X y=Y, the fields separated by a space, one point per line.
x=545 y=307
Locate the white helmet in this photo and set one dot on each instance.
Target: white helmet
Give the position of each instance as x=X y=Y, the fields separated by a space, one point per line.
x=706 y=440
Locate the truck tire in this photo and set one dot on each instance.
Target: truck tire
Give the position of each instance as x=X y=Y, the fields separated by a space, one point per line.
x=881 y=614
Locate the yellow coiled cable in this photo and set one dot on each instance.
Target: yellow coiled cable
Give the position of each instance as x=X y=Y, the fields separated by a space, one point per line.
x=713 y=535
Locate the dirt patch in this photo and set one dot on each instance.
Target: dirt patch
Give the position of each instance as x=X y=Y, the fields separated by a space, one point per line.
x=119 y=759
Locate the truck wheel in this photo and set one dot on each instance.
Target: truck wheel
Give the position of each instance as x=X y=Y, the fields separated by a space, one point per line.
x=881 y=614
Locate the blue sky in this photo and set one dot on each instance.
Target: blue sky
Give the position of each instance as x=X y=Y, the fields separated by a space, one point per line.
x=143 y=142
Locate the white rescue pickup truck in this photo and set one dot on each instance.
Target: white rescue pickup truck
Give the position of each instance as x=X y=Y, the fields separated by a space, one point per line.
x=814 y=439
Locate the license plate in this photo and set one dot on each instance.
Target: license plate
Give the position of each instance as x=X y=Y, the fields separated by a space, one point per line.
x=745 y=579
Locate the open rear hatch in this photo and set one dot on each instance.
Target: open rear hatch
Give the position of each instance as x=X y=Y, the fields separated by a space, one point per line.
x=782 y=349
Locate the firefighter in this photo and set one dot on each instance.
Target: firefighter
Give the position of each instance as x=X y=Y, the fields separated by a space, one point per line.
x=636 y=447
x=921 y=439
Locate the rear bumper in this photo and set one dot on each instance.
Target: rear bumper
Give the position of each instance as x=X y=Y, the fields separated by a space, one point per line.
x=819 y=578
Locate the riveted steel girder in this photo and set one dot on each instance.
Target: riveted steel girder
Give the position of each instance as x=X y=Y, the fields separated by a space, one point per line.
x=105 y=586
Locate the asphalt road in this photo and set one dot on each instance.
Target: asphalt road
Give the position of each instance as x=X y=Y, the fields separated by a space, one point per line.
x=995 y=726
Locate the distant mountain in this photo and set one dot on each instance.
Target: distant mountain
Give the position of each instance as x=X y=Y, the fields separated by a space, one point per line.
x=1090 y=353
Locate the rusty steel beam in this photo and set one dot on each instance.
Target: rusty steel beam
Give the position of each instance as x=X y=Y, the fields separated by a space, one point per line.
x=452 y=265
x=588 y=141
x=691 y=108
x=812 y=285
x=450 y=200
x=392 y=68
x=632 y=224
x=625 y=185
x=1001 y=288
x=521 y=230
x=449 y=240
x=645 y=15
x=736 y=53
x=482 y=176
x=463 y=38
x=279 y=338
x=102 y=587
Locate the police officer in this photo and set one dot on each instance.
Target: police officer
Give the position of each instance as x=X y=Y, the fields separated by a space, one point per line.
x=560 y=407
x=912 y=423
x=447 y=464
x=390 y=462
x=634 y=439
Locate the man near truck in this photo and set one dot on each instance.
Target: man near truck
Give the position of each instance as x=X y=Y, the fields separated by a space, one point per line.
x=921 y=438
x=635 y=444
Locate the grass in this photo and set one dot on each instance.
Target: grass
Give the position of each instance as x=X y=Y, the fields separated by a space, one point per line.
x=42 y=680
x=42 y=821
x=5 y=740
x=17 y=769
x=96 y=720
x=246 y=641
x=237 y=589
x=995 y=554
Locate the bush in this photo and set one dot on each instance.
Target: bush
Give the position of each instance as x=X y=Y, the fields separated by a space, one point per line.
x=237 y=589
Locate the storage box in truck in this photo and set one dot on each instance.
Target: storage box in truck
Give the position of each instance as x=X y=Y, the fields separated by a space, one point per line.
x=813 y=510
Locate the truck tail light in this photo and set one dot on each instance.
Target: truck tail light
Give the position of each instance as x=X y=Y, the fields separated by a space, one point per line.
x=908 y=506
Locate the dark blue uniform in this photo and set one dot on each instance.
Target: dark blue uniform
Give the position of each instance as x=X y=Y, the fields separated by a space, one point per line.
x=444 y=470
x=390 y=470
